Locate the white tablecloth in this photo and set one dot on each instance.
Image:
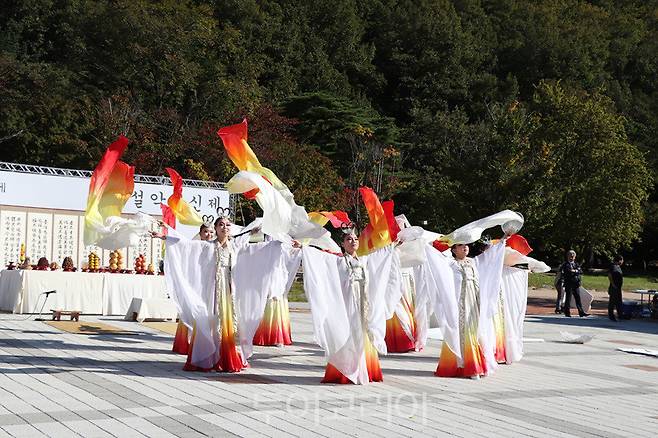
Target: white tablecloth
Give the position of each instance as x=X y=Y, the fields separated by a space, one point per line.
x=91 y=293
x=151 y=308
x=10 y=287
x=120 y=289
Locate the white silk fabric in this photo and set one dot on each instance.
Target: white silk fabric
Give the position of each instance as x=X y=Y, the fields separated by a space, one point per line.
x=489 y=266
x=514 y=287
x=408 y=291
x=260 y=268
x=473 y=231
x=282 y=218
x=513 y=257
x=119 y=232
x=190 y=268
x=277 y=212
x=384 y=291
x=515 y=301
x=437 y=291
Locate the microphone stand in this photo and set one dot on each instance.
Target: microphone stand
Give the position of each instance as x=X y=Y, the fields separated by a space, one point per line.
x=44 y=304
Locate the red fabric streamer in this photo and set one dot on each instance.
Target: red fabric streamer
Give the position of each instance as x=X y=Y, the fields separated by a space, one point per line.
x=519 y=243
x=393 y=227
x=441 y=246
x=168 y=217
x=181 y=209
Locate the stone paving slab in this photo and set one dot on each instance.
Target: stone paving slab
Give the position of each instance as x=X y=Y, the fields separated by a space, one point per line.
x=54 y=383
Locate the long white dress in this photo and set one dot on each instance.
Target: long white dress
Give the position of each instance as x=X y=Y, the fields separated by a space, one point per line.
x=350 y=299
x=478 y=282
x=220 y=292
x=274 y=328
x=472 y=361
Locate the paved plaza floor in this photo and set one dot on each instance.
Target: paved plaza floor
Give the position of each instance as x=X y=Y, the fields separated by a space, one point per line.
x=59 y=384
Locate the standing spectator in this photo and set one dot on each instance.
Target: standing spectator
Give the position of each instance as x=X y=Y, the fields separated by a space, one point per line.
x=616 y=277
x=571 y=273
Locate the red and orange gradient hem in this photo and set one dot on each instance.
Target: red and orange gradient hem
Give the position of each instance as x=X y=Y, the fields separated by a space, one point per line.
x=474 y=362
x=274 y=328
x=499 y=325
x=397 y=340
x=181 y=339
x=332 y=375
x=230 y=360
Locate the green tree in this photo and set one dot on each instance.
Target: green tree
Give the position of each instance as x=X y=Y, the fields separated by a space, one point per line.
x=41 y=117
x=466 y=170
x=601 y=179
x=326 y=120
x=563 y=160
x=304 y=45
x=430 y=58
x=363 y=146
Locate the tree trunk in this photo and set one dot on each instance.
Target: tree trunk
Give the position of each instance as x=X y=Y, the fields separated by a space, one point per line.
x=588 y=256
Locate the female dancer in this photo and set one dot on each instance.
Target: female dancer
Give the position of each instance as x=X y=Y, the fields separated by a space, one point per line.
x=468 y=280
x=219 y=286
x=347 y=297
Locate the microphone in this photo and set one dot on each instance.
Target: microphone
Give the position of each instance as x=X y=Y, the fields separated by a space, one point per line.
x=47 y=293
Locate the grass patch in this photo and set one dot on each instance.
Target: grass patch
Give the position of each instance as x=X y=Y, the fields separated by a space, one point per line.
x=590 y=282
x=597 y=281
x=296 y=294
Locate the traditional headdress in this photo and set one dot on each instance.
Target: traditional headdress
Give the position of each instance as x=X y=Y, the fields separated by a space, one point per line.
x=348 y=227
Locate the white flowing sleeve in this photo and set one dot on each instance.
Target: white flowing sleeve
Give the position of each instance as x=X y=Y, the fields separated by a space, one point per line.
x=440 y=281
x=489 y=266
x=411 y=253
x=241 y=242
x=473 y=231
x=190 y=269
x=515 y=300
x=119 y=232
x=257 y=268
x=409 y=289
x=291 y=258
x=384 y=292
x=422 y=305
x=277 y=211
x=332 y=325
x=513 y=257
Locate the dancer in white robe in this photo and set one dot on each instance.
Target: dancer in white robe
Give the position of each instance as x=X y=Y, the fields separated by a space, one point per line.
x=477 y=281
x=274 y=328
x=350 y=297
x=430 y=289
x=401 y=331
x=220 y=287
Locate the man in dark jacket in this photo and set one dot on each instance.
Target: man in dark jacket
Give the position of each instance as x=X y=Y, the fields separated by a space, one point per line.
x=616 y=277
x=571 y=273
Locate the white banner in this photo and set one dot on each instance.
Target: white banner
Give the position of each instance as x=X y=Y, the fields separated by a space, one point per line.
x=70 y=193
x=58 y=233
